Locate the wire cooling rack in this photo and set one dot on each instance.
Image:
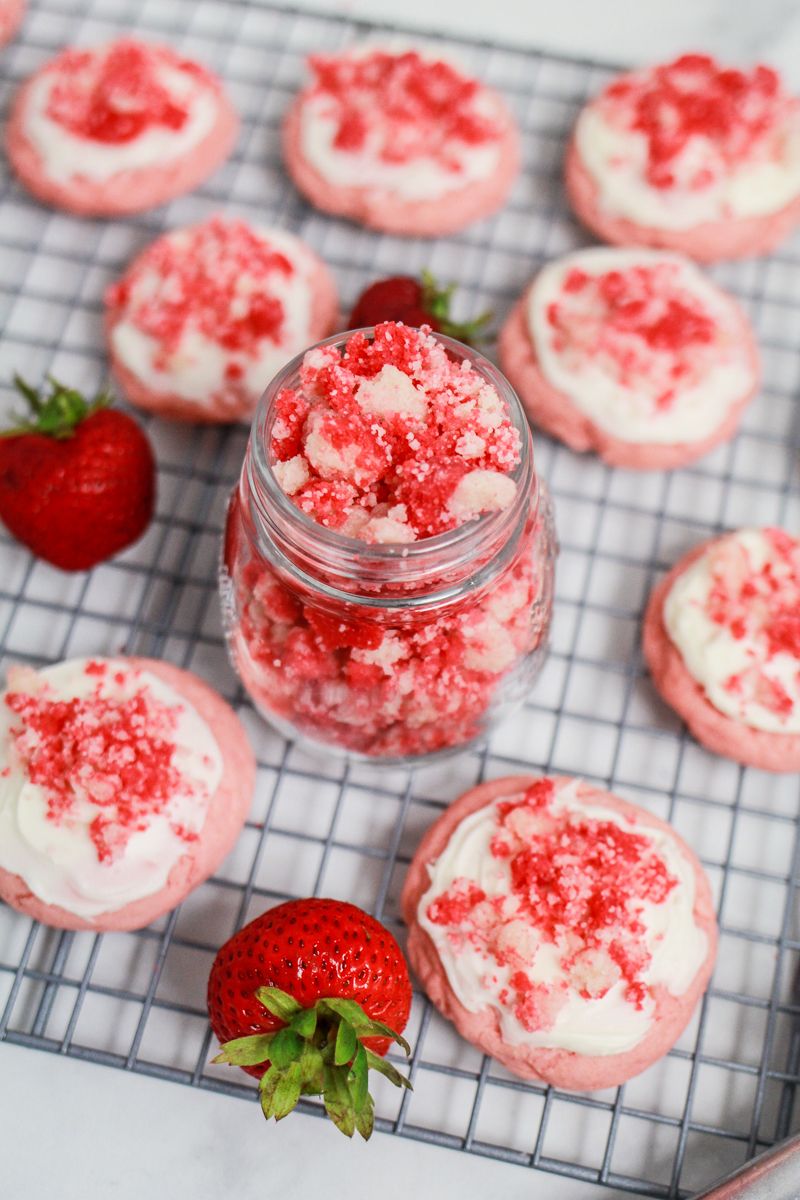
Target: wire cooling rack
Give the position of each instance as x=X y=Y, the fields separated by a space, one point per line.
x=136 y=1001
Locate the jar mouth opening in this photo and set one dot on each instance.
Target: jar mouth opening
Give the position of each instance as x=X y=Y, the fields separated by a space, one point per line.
x=481 y=529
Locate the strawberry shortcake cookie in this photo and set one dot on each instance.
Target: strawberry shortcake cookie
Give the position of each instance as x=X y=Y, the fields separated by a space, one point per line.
x=690 y=156
x=634 y=354
x=123 y=784
x=11 y=14
x=563 y=931
x=119 y=128
x=722 y=641
x=205 y=316
x=400 y=140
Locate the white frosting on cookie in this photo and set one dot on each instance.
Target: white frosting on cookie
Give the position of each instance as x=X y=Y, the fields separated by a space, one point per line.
x=734 y=615
x=46 y=833
x=640 y=379
x=584 y=1002
x=66 y=155
x=416 y=177
x=198 y=367
x=707 y=185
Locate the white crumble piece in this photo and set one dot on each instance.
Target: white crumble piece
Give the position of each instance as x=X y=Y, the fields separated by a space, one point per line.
x=470 y=445
x=292 y=474
x=387 y=531
x=489 y=646
x=328 y=461
x=391 y=393
x=481 y=492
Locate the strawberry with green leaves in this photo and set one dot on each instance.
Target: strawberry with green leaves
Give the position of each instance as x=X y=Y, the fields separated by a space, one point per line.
x=308 y=997
x=77 y=478
x=415 y=302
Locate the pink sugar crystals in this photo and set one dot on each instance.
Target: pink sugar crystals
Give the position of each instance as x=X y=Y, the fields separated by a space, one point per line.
x=392 y=440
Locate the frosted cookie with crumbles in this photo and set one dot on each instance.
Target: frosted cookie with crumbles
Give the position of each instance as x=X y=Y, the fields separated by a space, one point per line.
x=563 y=931
x=722 y=642
x=400 y=140
x=124 y=782
x=634 y=354
x=690 y=156
x=118 y=128
x=204 y=318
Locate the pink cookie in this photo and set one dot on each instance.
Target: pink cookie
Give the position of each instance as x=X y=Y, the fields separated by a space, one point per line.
x=95 y=834
x=721 y=639
x=689 y=156
x=633 y=354
x=119 y=129
x=11 y=14
x=400 y=141
x=563 y=931
x=206 y=316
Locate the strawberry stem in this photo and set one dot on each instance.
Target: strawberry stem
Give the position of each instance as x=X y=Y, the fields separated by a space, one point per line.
x=317 y=1051
x=436 y=301
x=55 y=415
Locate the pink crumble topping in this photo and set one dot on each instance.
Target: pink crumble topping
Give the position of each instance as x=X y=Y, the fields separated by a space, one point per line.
x=402 y=107
x=214 y=278
x=648 y=330
x=392 y=440
x=761 y=605
x=115 y=94
x=116 y=754
x=578 y=883
x=739 y=115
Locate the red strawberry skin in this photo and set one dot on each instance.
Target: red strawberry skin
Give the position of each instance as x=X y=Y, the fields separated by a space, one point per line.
x=400 y=298
x=311 y=949
x=76 y=501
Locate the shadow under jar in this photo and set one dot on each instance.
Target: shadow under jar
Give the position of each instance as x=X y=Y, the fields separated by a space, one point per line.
x=389 y=652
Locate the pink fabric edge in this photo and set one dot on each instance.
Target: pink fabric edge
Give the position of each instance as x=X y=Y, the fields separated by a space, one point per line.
x=226 y=814
x=127 y=191
x=324 y=321
x=712 y=241
x=556 y=413
x=561 y=1068
x=11 y=19
x=754 y=747
x=382 y=210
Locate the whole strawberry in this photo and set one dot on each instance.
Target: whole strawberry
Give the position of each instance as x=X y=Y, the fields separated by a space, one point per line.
x=77 y=479
x=308 y=997
x=414 y=302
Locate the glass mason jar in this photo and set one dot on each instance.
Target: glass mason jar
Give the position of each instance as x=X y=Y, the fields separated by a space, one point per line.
x=387 y=652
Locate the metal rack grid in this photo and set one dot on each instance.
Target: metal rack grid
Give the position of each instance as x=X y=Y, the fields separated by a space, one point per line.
x=136 y=1001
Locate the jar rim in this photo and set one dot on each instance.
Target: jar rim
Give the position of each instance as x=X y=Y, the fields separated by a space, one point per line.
x=277 y=508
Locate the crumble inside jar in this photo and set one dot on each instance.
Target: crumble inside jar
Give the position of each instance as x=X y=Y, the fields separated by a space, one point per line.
x=393 y=440
x=390 y=441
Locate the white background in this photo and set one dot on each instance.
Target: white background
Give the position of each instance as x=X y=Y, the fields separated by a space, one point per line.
x=114 y=1135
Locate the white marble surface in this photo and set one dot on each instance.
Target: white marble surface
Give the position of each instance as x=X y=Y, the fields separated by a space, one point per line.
x=126 y=1136
x=625 y=31
x=116 y=1134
